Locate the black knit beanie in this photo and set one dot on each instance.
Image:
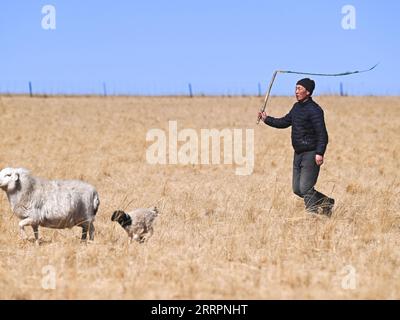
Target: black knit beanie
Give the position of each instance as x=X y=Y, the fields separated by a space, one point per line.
x=308 y=84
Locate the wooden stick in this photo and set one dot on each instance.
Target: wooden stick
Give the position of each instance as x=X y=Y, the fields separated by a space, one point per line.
x=267 y=95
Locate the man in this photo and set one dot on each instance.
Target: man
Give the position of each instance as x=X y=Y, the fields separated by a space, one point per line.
x=309 y=140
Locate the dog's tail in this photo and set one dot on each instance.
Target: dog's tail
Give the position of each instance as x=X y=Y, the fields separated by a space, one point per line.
x=159 y=210
x=155 y=210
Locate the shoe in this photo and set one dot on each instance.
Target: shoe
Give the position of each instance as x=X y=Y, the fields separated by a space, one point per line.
x=327 y=206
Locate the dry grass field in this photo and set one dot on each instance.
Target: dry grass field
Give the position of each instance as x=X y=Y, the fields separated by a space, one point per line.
x=221 y=236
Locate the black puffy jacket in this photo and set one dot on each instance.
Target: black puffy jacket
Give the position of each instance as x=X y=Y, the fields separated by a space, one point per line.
x=308 y=126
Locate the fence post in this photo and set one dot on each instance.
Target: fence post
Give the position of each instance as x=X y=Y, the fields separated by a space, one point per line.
x=341 y=89
x=104 y=89
x=259 y=89
x=30 y=89
x=190 y=90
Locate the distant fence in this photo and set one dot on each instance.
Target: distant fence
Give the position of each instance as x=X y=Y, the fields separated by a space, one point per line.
x=103 y=89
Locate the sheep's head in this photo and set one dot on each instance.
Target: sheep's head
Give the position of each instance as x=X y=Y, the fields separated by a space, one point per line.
x=9 y=178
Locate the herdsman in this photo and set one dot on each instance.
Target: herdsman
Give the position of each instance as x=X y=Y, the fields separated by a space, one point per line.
x=309 y=140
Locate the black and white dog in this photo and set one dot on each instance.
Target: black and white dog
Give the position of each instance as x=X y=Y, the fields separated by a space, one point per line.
x=138 y=224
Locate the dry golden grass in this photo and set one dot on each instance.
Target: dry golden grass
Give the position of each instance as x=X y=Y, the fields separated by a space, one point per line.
x=221 y=236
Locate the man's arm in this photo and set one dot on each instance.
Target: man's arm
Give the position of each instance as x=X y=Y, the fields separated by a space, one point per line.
x=280 y=123
x=318 y=122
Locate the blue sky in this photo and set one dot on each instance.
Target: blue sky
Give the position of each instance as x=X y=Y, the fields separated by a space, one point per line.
x=220 y=47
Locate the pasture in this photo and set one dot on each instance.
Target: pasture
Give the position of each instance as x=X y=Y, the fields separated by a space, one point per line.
x=220 y=235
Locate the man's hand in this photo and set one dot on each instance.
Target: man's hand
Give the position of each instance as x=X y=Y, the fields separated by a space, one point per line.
x=319 y=159
x=262 y=115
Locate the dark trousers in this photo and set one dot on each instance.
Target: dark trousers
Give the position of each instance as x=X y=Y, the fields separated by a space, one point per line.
x=305 y=175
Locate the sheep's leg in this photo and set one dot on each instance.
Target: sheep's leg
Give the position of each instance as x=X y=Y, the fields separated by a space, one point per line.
x=36 y=233
x=22 y=224
x=91 y=231
x=85 y=227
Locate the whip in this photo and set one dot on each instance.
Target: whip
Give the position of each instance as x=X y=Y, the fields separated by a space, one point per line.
x=305 y=73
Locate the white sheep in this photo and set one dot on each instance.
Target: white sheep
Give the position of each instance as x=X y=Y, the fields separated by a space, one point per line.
x=138 y=224
x=54 y=204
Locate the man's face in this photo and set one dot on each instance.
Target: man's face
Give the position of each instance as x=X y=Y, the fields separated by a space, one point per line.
x=301 y=93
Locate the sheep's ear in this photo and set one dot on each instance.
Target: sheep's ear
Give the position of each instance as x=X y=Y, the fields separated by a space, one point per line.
x=15 y=176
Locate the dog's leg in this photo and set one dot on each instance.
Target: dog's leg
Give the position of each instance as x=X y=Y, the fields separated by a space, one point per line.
x=150 y=234
x=130 y=236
